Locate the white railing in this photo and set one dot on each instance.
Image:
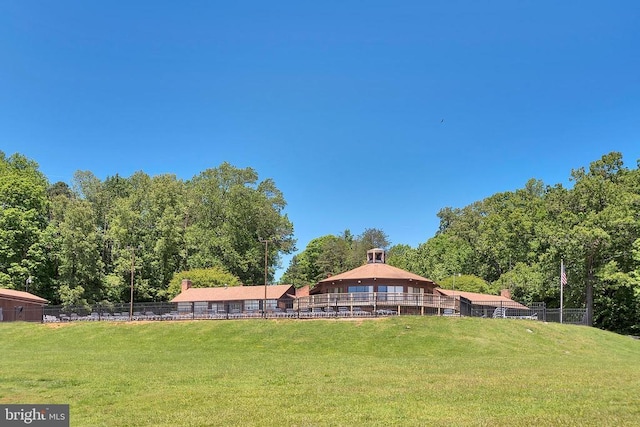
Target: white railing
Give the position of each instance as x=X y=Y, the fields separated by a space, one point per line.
x=378 y=299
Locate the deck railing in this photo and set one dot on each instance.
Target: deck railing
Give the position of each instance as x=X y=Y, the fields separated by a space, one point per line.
x=379 y=299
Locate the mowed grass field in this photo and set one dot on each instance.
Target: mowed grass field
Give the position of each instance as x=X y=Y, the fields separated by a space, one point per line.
x=406 y=371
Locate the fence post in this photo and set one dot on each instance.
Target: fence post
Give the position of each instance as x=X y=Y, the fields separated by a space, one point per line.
x=375 y=303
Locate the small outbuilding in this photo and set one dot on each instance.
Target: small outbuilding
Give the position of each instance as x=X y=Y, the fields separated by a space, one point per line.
x=483 y=300
x=19 y=305
x=475 y=304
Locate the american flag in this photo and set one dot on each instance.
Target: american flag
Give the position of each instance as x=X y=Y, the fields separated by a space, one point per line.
x=563 y=275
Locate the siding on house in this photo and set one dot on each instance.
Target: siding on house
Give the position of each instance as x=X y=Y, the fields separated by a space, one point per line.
x=20 y=306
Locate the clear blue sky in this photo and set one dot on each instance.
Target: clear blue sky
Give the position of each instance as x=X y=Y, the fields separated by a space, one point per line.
x=367 y=114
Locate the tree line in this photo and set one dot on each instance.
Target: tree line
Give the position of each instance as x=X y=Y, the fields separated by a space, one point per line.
x=517 y=240
x=80 y=243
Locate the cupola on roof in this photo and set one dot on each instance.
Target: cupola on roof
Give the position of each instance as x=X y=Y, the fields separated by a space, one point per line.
x=375 y=255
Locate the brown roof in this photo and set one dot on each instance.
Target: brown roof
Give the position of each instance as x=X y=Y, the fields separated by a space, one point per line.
x=13 y=294
x=376 y=270
x=233 y=293
x=482 y=299
x=303 y=291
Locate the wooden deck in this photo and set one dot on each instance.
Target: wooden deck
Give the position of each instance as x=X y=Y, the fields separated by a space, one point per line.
x=380 y=301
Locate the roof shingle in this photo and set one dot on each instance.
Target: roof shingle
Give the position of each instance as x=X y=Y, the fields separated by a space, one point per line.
x=482 y=299
x=11 y=293
x=377 y=271
x=233 y=293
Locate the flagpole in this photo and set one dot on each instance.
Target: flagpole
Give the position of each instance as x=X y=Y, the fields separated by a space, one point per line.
x=561 y=287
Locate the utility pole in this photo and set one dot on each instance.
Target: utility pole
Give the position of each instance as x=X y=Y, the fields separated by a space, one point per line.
x=133 y=258
x=266 y=270
x=453 y=289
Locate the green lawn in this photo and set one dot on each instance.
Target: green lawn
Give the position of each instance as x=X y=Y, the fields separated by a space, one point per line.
x=413 y=371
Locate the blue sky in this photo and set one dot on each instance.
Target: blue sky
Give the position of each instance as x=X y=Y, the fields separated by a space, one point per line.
x=371 y=114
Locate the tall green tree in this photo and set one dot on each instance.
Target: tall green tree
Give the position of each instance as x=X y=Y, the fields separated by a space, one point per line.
x=215 y=277
x=332 y=254
x=23 y=219
x=80 y=243
x=230 y=215
x=146 y=229
x=606 y=222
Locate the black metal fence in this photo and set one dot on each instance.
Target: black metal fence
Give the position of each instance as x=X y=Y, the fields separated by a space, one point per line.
x=503 y=310
x=115 y=312
x=185 y=311
x=573 y=316
x=535 y=311
x=166 y=311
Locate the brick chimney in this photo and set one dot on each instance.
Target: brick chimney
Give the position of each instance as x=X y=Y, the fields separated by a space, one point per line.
x=186 y=284
x=505 y=293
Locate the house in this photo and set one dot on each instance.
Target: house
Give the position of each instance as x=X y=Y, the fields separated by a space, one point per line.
x=19 y=305
x=376 y=287
x=234 y=299
x=375 y=276
x=379 y=288
x=370 y=289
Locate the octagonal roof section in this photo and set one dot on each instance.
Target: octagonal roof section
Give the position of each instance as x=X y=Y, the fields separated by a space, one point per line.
x=376 y=271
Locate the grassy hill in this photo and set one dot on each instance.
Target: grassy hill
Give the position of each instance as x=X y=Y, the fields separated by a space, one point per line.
x=396 y=371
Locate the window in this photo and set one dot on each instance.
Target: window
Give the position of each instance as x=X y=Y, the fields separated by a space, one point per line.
x=184 y=307
x=353 y=289
x=252 y=305
x=361 y=291
x=417 y=294
x=272 y=304
x=383 y=290
x=200 y=307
